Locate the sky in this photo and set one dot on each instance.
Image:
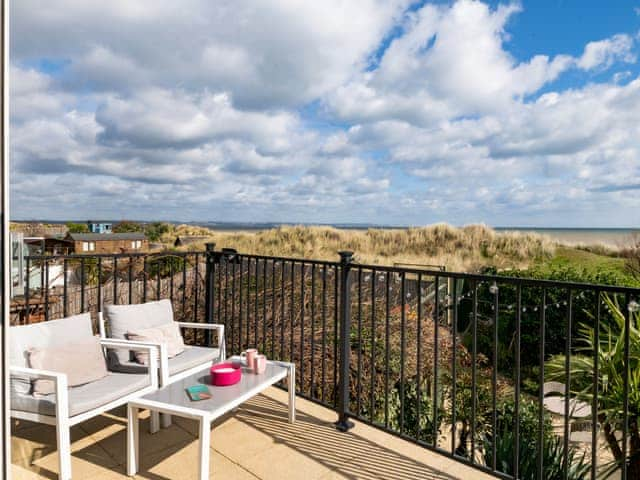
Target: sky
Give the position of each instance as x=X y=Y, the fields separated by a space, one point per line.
x=340 y=111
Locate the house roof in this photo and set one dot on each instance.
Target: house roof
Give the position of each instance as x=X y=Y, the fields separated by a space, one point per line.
x=98 y=237
x=189 y=239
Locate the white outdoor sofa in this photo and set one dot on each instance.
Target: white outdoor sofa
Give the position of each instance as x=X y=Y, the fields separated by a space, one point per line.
x=116 y=320
x=68 y=406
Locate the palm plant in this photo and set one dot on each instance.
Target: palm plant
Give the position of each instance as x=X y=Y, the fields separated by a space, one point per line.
x=606 y=342
x=553 y=451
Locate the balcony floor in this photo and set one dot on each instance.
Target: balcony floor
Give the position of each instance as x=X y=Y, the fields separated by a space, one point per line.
x=254 y=442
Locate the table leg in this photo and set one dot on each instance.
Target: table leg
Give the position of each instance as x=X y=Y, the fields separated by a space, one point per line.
x=133 y=441
x=291 y=388
x=154 y=422
x=165 y=420
x=205 y=445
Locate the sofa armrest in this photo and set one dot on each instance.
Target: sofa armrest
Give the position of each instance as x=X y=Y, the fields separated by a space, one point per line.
x=155 y=350
x=128 y=344
x=35 y=373
x=59 y=380
x=209 y=326
x=204 y=326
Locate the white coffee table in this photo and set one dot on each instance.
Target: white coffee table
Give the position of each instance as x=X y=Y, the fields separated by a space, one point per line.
x=172 y=399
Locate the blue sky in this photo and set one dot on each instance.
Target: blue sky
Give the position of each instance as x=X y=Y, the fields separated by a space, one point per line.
x=368 y=111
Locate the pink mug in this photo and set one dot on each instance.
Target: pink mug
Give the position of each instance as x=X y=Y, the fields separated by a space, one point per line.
x=248 y=355
x=259 y=364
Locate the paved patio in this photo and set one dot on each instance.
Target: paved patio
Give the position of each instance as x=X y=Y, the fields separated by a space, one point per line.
x=255 y=442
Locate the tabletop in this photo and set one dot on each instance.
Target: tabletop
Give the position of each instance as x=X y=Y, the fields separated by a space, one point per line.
x=174 y=397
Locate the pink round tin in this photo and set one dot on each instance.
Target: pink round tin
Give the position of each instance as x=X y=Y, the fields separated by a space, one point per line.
x=224 y=374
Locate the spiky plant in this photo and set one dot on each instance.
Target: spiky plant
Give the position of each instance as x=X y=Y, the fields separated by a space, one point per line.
x=610 y=351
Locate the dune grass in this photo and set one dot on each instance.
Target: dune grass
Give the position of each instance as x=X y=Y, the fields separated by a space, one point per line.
x=468 y=248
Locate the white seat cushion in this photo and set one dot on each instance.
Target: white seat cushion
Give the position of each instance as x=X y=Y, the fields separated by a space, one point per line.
x=85 y=397
x=191 y=357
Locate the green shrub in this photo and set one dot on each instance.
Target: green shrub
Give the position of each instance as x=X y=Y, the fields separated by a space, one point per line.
x=553 y=447
x=77 y=227
x=584 y=303
x=126 y=226
x=155 y=230
x=420 y=427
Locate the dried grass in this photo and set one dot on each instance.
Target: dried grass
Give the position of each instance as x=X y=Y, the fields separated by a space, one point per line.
x=461 y=249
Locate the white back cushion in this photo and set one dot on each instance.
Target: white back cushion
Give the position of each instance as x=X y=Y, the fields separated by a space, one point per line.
x=54 y=333
x=82 y=362
x=121 y=319
x=168 y=334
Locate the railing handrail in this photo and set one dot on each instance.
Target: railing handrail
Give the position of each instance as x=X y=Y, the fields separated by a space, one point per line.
x=524 y=281
x=80 y=256
x=427 y=266
x=307 y=261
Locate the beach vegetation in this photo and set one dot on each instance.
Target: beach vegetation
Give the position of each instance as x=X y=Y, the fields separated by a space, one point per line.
x=155 y=230
x=127 y=226
x=77 y=227
x=579 y=265
x=468 y=248
x=631 y=256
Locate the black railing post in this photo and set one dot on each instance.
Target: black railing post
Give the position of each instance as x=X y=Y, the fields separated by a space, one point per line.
x=343 y=424
x=210 y=286
x=230 y=256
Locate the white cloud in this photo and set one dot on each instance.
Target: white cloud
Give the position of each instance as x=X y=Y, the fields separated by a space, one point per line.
x=574 y=148
x=265 y=54
x=603 y=53
x=450 y=61
x=163 y=118
x=282 y=110
x=31 y=96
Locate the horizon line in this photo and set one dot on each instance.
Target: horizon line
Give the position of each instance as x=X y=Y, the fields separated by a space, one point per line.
x=274 y=224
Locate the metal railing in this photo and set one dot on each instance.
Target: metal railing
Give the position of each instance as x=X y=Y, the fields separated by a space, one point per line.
x=454 y=362
x=58 y=286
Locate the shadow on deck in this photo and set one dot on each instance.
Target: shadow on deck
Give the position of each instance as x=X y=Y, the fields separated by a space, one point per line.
x=254 y=442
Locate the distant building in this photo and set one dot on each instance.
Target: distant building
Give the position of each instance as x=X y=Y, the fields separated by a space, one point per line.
x=190 y=240
x=100 y=226
x=48 y=246
x=108 y=242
